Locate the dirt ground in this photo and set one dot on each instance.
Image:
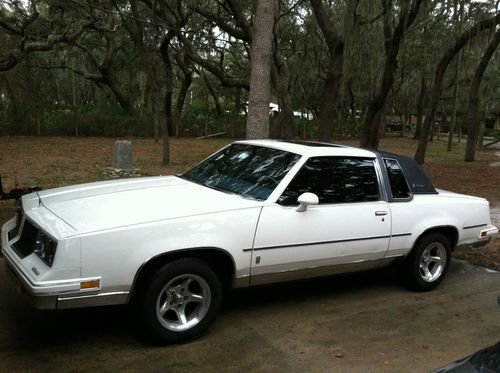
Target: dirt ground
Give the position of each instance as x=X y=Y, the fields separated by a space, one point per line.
x=360 y=323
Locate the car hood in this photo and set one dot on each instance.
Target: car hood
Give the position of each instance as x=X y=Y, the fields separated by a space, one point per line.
x=112 y=204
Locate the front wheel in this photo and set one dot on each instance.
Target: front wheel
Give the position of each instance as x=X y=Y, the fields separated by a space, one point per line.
x=181 y=301
x=428 y=263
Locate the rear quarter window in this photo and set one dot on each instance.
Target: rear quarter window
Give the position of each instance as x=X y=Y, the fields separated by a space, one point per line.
x=397 y=180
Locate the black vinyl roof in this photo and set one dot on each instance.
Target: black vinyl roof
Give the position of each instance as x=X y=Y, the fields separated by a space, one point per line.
x=313 y=143
x=417 y=180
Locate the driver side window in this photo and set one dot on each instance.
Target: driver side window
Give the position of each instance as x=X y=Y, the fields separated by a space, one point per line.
x=334 y=180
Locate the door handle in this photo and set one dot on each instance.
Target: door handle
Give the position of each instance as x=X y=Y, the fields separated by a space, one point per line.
x=380 y=213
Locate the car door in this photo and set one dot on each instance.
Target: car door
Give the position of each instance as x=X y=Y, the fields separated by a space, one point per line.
x=349 y=227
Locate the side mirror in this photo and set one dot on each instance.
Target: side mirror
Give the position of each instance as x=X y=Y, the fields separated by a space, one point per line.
x=306 y=199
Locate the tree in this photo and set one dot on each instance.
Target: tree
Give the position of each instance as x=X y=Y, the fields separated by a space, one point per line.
x=472 y=119
x=146 y=37
x=351 y=64
x=169 y=82
x=458 y=16
x=37 y=32
x=331 y=87
x=105 y=71
x=260 y=75
x=186 y=80
x=230 y=18
x=282 y=78
x=420 y=107
x=393 y=37
x=439 y=76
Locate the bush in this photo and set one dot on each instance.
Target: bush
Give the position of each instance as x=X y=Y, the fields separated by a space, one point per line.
x=113 y=121
x=68 y=120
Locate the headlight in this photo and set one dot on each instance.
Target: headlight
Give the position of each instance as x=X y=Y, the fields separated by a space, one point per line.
x=45 y=248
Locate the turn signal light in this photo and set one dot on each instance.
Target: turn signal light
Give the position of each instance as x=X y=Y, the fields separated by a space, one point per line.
x=94 y=284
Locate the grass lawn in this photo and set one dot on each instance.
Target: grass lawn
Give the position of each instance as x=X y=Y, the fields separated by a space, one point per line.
x=58 y=161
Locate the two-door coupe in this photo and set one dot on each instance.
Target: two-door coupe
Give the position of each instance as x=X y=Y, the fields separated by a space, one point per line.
x=255 y=212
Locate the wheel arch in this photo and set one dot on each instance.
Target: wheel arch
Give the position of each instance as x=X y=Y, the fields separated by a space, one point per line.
x=449 y=231
x=218 y=259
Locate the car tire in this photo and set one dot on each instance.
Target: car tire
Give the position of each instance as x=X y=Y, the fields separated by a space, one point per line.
x=180 y=301
x=428 y=263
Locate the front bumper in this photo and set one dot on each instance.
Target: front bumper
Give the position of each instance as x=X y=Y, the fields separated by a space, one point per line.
x=43 y=302
x=59 y=294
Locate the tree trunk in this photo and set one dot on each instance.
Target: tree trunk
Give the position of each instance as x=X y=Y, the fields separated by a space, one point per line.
x=455 y=104
x=181 y=99
x=370 y=135
x=157 y=118
x=169 y=83
x=402 y=119
x=286 y=116
x=237 y=102
x=150 y=97
x=472 y=118
x=330 y=94
x=482 y=129
x=110 y=81
x=260 y=74
x=373 y=122
x=340 y=121
x=332 y=84
x=213 y=93
x=13 y=106
x=73 y=89
x=281 y=80
x=420 y=108
x=237 y=109
x=458 y=16
x=438 y=80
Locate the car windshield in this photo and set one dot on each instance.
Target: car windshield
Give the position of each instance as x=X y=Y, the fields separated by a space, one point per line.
x=247 y=170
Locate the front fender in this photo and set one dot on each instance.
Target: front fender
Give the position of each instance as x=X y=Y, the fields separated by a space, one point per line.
x=118 y=254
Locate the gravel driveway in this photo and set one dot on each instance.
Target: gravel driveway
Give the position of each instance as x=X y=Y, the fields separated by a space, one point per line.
x=361 y=323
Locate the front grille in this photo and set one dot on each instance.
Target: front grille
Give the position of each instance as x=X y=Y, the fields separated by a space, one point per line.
x=26 y=243
x=19 y=217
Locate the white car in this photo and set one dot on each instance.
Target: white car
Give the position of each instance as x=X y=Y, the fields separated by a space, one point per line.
x=254 y=213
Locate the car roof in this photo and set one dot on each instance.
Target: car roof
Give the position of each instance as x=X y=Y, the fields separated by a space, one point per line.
x=311 y=148
x=418 y=182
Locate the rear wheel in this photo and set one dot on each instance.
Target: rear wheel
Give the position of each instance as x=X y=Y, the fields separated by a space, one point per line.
x=428 y=263
x=181 y=300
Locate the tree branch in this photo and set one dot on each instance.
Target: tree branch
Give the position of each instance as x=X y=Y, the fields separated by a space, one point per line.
x=239 y=17
x=330 y=34
x=10 y=60
x=212 y=67
x=238 y=33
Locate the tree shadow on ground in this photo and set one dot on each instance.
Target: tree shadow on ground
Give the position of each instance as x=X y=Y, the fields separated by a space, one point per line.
x=26 y=328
